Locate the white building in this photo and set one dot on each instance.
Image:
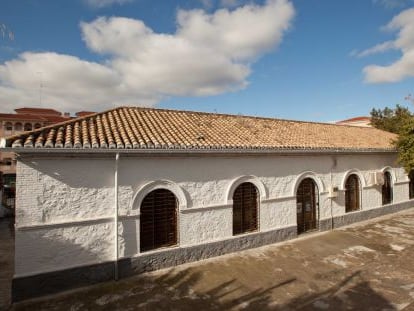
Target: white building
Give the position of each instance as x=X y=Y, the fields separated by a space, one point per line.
x=137 y=189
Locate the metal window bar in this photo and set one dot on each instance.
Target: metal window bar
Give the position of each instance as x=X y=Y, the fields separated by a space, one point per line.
x=245 y=205
x=158 y=220
x=307 y=206
x=352 y=194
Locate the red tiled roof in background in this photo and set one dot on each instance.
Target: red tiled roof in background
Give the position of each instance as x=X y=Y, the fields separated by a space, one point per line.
x=43 y=115
x=37 y=111
x=142 y=128
x=84 y=113
x=20 y=117
x=56 y=119
x=31 y=117
x=357 y=121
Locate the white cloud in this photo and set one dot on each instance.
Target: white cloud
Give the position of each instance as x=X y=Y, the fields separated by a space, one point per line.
x=403 y=67
x=207 y=55
x=105 y=3
x=379 y=48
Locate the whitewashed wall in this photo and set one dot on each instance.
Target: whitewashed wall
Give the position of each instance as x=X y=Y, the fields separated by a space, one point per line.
x=65 y=205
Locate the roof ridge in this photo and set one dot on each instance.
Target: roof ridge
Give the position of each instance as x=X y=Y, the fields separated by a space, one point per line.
x=247 y=116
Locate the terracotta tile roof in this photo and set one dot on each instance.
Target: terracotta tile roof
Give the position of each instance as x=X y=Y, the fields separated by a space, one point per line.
x=31 y=117
x=38 y=111
x=142 y=128
x=356 y=119
x=55 y=119
x=84 y=113
x=21 y=117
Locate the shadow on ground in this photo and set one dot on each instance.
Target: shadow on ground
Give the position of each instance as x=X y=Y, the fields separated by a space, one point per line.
x=6 y=259
x=358 y=268
x=178 y=291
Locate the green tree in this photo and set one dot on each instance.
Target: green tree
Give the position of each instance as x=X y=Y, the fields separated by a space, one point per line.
x=405 y=145
x=391 y=120
x=399 y=121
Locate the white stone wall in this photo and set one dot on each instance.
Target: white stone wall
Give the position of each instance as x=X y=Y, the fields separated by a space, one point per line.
x=70 y=201
x=64 y=210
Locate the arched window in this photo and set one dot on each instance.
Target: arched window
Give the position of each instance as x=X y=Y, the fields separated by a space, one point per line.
x=37 y=126
x=27 y=127
x=387 y=189
x=18 y=127
x=245 y=204
x=158 y=220
x=411 y=184
x=8 y=127
x=352 y=193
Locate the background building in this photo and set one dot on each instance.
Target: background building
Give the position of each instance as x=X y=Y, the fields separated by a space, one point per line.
x=357 y=121
x=25 y=119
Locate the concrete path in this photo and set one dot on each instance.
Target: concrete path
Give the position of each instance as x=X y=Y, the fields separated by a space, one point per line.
x=369 y=266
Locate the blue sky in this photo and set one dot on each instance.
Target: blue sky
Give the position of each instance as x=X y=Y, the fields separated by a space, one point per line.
x=318 y=60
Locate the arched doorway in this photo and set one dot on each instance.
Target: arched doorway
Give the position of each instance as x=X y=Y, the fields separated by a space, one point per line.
x=158 y=220
x=352 y=194
x=387 y=189
x=306 y=205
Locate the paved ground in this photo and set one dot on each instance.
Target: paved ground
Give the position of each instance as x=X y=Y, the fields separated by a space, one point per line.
x=6 y=260
x=369 y=266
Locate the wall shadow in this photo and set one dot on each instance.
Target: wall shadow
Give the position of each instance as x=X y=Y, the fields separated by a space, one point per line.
x=186 y=290
x=352 y=293
x=174 y=290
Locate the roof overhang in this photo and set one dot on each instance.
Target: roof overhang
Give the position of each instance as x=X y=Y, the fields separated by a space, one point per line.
x=190 y=152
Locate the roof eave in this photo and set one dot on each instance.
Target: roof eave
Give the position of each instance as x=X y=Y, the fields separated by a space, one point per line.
x=224 y=151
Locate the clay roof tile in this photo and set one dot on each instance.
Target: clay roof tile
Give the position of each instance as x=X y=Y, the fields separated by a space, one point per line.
x=141 y=128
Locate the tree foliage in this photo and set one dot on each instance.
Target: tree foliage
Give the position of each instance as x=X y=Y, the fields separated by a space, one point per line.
x=391 y=120
x=399 y=121
x=405 y=146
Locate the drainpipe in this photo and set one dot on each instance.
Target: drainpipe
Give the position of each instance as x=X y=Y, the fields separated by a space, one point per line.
x=331 y=199
x=116 y=216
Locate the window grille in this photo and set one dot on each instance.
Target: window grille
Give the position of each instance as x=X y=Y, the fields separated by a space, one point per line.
x=158 y=220
x=352 y=194
x=245 y=204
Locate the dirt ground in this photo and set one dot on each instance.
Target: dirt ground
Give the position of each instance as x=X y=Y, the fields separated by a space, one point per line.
x=368 y=266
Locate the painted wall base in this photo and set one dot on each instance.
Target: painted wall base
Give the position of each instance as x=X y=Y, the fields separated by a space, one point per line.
x=52 y=282
x=353 y=217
